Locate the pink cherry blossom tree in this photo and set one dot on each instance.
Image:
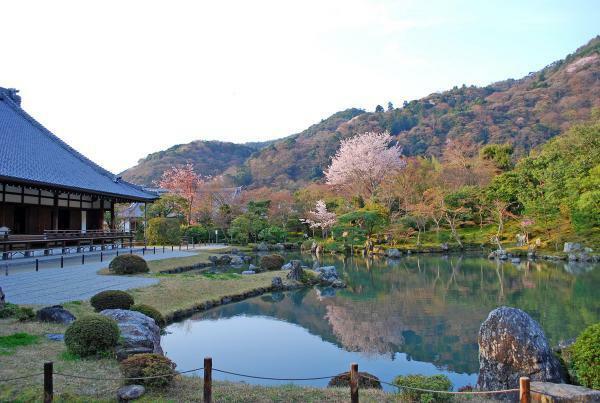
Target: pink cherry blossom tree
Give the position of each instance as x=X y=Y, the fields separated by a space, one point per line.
x=320 y=218
x=184 y=181
x=361 y=163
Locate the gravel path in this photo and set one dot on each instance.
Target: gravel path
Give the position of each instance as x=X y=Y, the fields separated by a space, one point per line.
x=55 y=286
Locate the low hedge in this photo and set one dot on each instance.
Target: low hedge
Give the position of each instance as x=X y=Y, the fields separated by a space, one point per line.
x=92 y=335
x=585 y=357
x=152 y=313
x=128 y=264
x=111 y=299
x=434 y=382
x=147 y=365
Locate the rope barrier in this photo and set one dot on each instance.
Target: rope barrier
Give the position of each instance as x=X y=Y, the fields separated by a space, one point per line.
x=127 y=379
x=482 y=392
x=448 y=392
x=274 y=379
x=21 y=377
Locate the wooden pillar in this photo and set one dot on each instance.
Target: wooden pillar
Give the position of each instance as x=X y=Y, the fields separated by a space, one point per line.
x=524 y=390
x=48 y=384
x=55 y=212
x=112 y=215
x=354 y=383
x=207 y=380
x=145 y=220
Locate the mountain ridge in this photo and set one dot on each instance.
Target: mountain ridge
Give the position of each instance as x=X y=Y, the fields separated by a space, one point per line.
x=524 y=112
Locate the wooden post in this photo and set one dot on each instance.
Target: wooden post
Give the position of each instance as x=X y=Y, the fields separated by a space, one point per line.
x=48 y=386
x=524 y=391
x=62 y=262
x=37 y=265
x=207 y=380
x=101 y=256
x=83 y=259
x=354 y=383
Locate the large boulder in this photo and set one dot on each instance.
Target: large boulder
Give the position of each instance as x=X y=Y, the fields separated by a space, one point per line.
x=512 y=345
x=139 y=333
x=327 y=273
x=55 y=314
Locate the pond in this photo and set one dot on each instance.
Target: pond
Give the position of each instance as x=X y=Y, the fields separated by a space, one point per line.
x=419 y=314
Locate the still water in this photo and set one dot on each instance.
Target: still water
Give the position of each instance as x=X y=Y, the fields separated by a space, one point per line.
x=419 y=314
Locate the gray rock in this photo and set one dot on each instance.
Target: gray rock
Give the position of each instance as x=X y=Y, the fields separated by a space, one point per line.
x=571 y=247
x=262 y=247
x=236 y=260
x=137 y=330
x=278 y=246
x=277 y=282
x=247 y=258
x=248 y=272
x=515 y=260
x=130 y=392
x=252 y=267
x=55 y=314
x=55 y=336
x=327 y=273
x=287 y=266
x=296 y=270
x=338 y=284
x=511 y=345
x=393 y=253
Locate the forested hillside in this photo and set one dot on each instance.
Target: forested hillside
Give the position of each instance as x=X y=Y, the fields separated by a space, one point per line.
x=209 y=157
x=524 y=113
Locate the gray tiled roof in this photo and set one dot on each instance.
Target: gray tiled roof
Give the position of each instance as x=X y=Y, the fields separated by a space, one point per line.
x=31 y=153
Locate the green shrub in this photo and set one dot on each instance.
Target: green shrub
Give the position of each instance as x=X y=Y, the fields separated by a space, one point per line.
x=144 y=365
x=272 y=234
x=271 y=262
x=196 y=233
x=150 y=312
x=92 y=335
x=434 y=382
x=111 y=299
x=585 y=355
x=128 y=264
x=23 y=313
x=163 y=231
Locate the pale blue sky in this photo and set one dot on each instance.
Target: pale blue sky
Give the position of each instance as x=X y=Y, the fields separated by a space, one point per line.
x=143 y=75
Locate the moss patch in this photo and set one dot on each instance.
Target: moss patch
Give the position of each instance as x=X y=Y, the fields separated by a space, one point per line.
x=8 y=344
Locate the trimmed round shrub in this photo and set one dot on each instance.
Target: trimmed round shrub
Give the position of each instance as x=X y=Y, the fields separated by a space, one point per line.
x=271 y=262
x=111 y=299
x=585 y=356
x=434 y=382
x=151 y=312
x=144 y=365
x=128 y=264
x=92 y=335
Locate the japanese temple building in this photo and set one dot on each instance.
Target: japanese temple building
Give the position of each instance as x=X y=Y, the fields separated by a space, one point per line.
x=46 y=187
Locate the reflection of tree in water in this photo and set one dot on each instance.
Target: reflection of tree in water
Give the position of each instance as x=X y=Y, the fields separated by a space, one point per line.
x=431 y=308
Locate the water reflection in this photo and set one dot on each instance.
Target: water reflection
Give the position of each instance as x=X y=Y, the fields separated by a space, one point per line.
x=416 y=314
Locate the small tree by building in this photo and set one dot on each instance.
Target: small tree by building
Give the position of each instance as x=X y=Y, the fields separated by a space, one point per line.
x=184 y=181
